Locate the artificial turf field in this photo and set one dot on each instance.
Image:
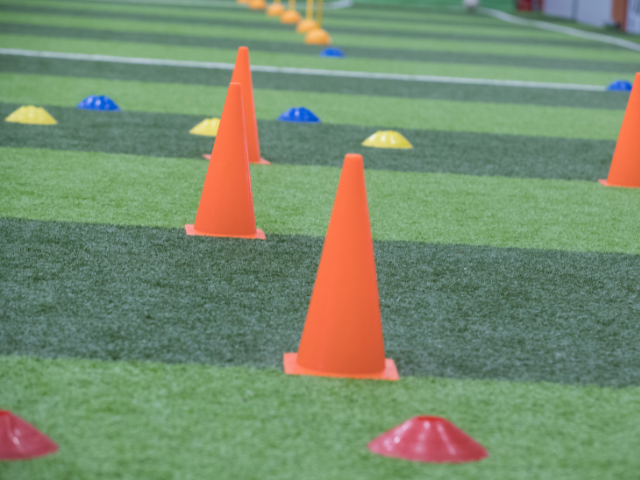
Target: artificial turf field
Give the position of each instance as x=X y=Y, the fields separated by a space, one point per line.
x=509 y=278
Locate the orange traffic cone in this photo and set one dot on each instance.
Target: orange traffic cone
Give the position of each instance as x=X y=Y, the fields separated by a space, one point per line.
x=242 y=75
x=625 y=166
x=226 y=204
x=342 y=335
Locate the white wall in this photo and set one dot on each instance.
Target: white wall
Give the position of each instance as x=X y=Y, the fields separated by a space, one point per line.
x=560 y=8
x=594 y=12
x=633 y=16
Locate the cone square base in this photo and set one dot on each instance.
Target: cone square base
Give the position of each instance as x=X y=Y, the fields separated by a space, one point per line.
x=259 y=235
x=607 y=184
x=261 y=162
x=291 y=367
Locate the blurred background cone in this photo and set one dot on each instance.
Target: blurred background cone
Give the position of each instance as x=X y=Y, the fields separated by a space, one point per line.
x=242 y=75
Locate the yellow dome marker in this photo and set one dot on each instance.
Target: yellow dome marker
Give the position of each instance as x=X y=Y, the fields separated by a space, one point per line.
x=31 y=116
x=208 y=127
x=387 y=139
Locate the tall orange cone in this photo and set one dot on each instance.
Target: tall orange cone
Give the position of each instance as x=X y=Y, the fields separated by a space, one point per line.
x=342 y=335
x=625 y=167
x=242 y=75
x=226 y=204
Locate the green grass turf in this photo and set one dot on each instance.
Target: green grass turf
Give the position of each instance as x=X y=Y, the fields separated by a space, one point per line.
x=164 y=135
x=256 y=33
x=148 y=421
x=365 y=47
x=527 y=314
x=336 y=24
x=354 y=16
x=383 y=37
x=123 y=293
x=296 y=200
x=343 y=85
x=316 y=83
x=429 y=23
x=112 y=47
x=356 y=42
x=479 y=117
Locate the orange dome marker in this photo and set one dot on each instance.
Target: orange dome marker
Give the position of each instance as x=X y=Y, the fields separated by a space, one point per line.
x=226 y=204
x=242 y=75
x=290 y=16
x=625 y=166
x=257 y=4
x=275 y=9
x=342 y=334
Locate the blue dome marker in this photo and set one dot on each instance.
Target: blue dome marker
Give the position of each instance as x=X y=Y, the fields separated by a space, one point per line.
x=619 y=86
x=299 y=115
x=100 y=103
x=332 y=52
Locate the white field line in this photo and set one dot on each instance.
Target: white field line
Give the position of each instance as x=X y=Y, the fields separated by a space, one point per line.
x=574 y=32
x=301 y=71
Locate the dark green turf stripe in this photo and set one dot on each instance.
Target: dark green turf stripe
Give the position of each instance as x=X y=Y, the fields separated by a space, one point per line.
x=309 y=83
x=301 y=48
x=251 y=22
x=165 y=135
x=116 y=293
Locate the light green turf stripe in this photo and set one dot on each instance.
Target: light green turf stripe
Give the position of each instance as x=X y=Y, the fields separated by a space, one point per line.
x=331 y=108
x=309 y=61
x=441 y=208
x=139 y=421
x=235 y=32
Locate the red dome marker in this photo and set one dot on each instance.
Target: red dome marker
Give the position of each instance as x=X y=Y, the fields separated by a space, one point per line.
x=20 y=440
x=428 y=439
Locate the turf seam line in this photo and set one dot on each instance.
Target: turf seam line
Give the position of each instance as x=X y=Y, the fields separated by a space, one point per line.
x=301 y=71
x=574 y=32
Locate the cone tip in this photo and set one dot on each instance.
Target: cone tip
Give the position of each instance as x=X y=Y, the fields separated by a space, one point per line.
x=353 y=159
x=429 y=418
